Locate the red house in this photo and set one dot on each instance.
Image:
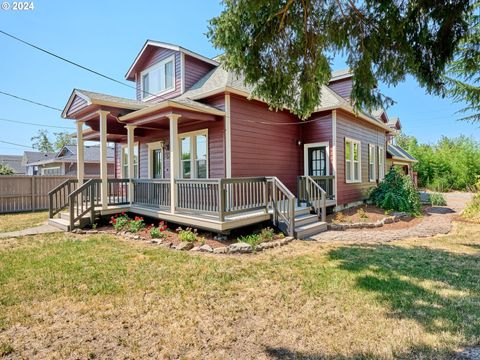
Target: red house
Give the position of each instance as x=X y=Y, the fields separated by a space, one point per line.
x=207 y=155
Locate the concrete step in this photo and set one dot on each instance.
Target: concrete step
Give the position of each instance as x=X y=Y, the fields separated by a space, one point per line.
x=305 y=219
x=59 y=223
x=306 y=231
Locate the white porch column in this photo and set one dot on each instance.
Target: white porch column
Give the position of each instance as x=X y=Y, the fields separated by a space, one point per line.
x=174 y=160
x=131 y=150
x=103 y=158
x=80 y=153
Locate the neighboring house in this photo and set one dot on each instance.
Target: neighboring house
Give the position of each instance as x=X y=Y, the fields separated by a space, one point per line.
x=30 y=158
x=196 y=134
x=14 y=162
x=396 y=155
x=65 y=162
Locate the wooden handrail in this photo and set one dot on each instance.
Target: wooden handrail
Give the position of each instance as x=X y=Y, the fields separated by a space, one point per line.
x=58 y=197
x=283 y=206
x=83 y=201
x=313 y=194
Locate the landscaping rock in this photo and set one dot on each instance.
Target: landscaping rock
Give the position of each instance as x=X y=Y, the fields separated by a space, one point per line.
x=92 y=231
x=389 y=220
x=206 y=248
x=288 y=239
x=184 y=246
x=156 y=241
x=195 y=248
x=221 y=250
x=400 y=215
x=240 y=247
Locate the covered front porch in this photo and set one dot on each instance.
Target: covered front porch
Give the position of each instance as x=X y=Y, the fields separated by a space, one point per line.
x=183 y=185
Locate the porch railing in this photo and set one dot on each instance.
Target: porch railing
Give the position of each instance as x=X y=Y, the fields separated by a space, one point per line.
x=58 y=196
x=118 y=191
x=282 y=202
x=313 y=195
x=327 y=183
x=82 y=201
x=153 y=193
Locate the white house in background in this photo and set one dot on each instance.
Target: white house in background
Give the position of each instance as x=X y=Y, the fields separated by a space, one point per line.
x=65 y=161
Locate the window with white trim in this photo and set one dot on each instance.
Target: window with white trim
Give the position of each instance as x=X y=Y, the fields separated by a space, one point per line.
x=194 y=155
x=158 y=78
x=381 y=163
x=54 y=170
x=125 y=161
x=372 y=176
x=353 y=170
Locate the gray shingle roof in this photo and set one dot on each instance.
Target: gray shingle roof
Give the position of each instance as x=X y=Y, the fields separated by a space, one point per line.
x=14 y=162
x=399 y=153
x=69 y=154
x=30 y=157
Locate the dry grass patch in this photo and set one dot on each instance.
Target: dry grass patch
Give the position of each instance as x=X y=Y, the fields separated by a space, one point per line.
x=105 y=298
x=14 y=222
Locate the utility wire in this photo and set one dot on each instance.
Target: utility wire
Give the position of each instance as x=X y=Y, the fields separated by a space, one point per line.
x=10 y=143
x=75 y=64
x=30 y=101
x=36 y=124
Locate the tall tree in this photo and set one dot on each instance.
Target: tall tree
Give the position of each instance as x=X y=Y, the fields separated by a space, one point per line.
x=62 y=139
x=463 y=76
x=284 y=48
x=41 y=141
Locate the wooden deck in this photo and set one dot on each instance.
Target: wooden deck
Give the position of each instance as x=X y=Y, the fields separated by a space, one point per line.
x=217 y=205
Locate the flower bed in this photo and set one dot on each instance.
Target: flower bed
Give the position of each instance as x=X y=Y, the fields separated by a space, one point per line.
x=189 y=239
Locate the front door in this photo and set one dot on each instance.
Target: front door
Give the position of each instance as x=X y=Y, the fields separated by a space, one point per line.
x=316 y=157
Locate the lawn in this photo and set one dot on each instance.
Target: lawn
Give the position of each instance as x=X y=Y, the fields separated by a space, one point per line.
x=14 y=222
x=64 y=296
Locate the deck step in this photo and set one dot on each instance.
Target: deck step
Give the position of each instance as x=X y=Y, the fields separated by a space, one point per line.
x=305 y=219
x=306 y=231
x=302 y=210
x=59 y=223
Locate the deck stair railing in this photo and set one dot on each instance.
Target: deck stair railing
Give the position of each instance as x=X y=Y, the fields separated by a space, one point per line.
x=58 y=196
x=311 y=193
x=283 y=206
x=82 y=201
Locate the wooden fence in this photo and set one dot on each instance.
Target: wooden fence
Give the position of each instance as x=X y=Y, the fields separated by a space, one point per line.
x=26 y=193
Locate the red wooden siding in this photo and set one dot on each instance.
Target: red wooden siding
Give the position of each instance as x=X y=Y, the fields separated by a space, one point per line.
x=261 y=149
x=78 y=103
x=352 y=127
x=319 y=130
x=195 y=69
x=156 y=55
x=342 y=87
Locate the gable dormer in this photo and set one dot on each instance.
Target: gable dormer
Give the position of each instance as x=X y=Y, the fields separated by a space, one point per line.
x=164 y=71
x=342 y=83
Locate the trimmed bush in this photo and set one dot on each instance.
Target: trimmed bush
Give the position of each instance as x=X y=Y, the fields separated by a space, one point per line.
x=397 y=193
x=437 y=199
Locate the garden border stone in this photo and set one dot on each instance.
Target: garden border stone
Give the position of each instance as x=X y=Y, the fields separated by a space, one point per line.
x=395 y=217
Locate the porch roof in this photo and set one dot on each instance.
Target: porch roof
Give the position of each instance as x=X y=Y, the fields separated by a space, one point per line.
x=396 y=152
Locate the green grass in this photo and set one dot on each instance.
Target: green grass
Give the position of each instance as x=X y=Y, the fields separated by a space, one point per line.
x=14 y=222
x=102 y=297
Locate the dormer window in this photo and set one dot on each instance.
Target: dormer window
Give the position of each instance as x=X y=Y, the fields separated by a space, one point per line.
x=158 y=78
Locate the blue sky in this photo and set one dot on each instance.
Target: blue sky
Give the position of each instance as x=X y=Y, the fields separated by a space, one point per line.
x=107 y=35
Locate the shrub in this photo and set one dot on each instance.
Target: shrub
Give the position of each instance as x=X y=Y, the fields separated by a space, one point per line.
x=397 y=193
x=188 y=234
x=362 y=214
x=267 y=234
x=437 y=199
x=252 y=239
x=472 y=211
x=120 y=222
x=136 y=224
x=339 y=217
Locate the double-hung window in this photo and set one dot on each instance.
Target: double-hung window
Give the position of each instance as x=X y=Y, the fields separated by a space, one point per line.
x=158 y=78
x=353 y=172
x=194 y=155
x=125 y=161
x=381 y=163
x=372 y=175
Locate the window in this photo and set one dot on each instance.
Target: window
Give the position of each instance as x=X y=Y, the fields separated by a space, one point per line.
x=158 y=78
x=381 y=163
x=194 y=155
x=352 y=161
x=372 y=176
x=155 y=160
x=51 y=171
x=125 y=161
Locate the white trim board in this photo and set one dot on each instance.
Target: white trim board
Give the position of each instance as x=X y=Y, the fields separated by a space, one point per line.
x=325 y=144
